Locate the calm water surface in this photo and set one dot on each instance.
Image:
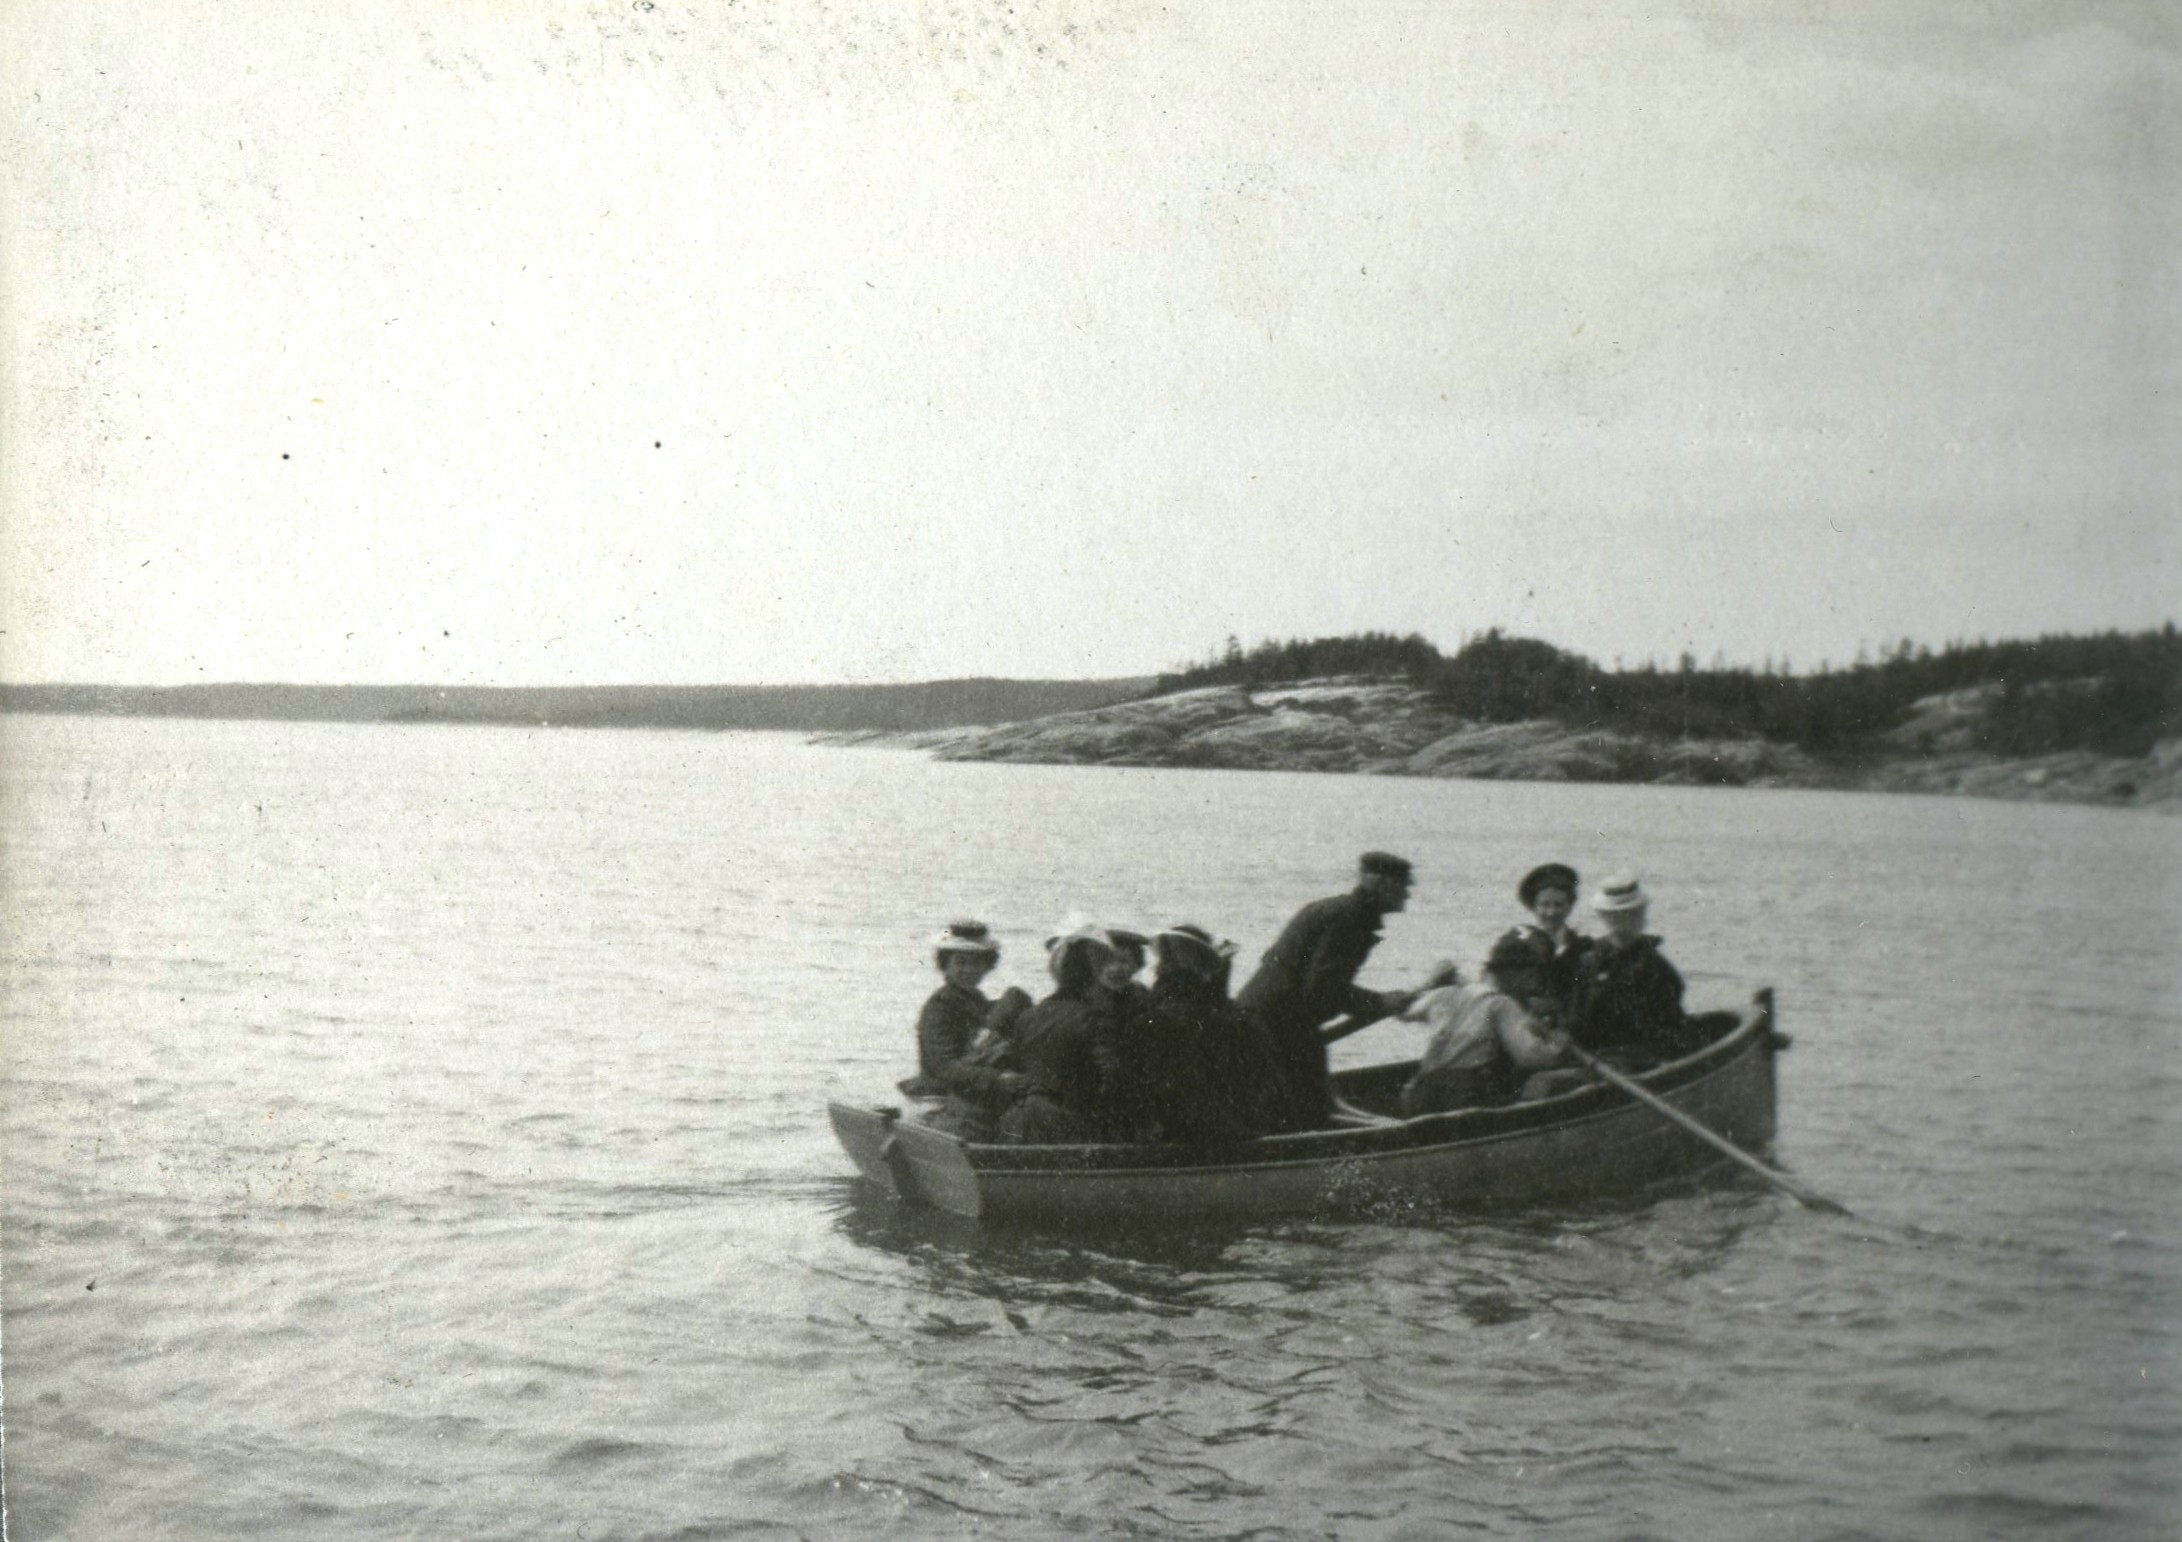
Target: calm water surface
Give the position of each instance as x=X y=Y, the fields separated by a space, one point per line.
x=419 y=1132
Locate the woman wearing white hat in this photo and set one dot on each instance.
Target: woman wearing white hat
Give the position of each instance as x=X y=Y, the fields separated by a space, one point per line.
x=965 y=953
x=1628 y=999
x=1063 y=1049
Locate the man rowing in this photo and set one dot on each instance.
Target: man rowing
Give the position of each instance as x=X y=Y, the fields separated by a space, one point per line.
x=1485 y=1040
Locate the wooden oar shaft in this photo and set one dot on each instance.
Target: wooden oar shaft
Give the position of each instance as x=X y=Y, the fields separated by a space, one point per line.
x=1712 y=1138
x=1341 y=1027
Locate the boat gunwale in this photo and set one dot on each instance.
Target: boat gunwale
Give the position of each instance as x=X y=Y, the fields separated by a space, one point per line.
x=1424 y=1133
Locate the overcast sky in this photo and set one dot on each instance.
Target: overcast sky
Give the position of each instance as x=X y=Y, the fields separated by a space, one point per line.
x=526 y=342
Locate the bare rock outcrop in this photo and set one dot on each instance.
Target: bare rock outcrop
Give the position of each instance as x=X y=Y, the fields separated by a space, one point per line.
x=1391 y=728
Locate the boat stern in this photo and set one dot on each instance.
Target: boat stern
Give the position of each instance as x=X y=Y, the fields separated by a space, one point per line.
x=917 y=1165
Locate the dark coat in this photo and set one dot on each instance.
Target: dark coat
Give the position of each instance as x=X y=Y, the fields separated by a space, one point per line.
x=1120 y=1031
x=1559 y=966
x=1061 y=1050
x=945 y=1030
x=1627 y=1006
x=1204 y=1068
x=983 y=1081
x=1307 y=977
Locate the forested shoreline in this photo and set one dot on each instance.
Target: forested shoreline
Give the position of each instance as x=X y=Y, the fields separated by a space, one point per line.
x=2093 y=719
x=2079 y=718
x=2113 y=693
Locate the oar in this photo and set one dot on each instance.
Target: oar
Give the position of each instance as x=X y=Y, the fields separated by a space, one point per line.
x=1443 y=973
x=1341 y=1027
x=1718 y=1142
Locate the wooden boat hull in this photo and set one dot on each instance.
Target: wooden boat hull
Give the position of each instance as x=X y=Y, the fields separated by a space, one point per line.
x=1592 y=1142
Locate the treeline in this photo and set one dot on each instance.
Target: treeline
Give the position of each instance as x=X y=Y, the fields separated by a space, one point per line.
x=1364 y=653
x=2115 y=693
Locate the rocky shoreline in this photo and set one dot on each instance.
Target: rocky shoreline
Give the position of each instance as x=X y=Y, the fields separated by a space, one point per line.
x=1390 y=728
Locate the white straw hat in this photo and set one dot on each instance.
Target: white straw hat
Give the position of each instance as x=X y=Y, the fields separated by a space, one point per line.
x=967 y=937
x=1620 y=893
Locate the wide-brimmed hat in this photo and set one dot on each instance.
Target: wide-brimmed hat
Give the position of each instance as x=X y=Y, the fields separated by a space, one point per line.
x=1620 y=893
x=1194 y=949
x=1551 y=875
x=1075 y=957
x=966 y=937
x=1115 y=939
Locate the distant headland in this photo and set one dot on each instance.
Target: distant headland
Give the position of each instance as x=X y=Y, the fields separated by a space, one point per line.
x=2091 y=719
x=2062 y=719
x=804 y=708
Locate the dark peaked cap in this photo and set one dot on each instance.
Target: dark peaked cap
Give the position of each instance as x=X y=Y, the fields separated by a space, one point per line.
x=1386 y=864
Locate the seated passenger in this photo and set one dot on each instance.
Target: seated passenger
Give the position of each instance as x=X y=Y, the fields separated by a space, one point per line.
x=1117 y=992
x=1485 y=1042
x=1062 y=1047
x=984 y=1083
x=965 y=953
x=1123 y=1005
x=1627 y=1005
x=1549 y=894
x=1205 y=1069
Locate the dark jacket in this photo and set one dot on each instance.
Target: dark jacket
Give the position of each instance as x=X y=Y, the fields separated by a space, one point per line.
x=1308 y=976
x=1559 y=966
x=963 y=1041
x=1059 y=1049
x=1120 y=1033
x=983 y=1081
x=945 y=1030
x=1627 y=1005
x=1205 y=1069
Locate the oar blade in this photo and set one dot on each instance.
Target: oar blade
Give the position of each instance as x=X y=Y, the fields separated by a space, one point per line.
x=1705 y=1133
x=1822 y=1204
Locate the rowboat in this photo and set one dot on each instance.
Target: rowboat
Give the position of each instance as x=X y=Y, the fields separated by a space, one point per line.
x=1594 y=1141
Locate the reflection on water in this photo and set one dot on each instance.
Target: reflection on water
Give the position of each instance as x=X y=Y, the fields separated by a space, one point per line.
x=1156 y=1268
x=1490 y=1264
x=1270 y=1361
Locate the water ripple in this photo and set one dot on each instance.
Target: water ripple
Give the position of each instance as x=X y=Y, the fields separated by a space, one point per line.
x=449 y=1161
